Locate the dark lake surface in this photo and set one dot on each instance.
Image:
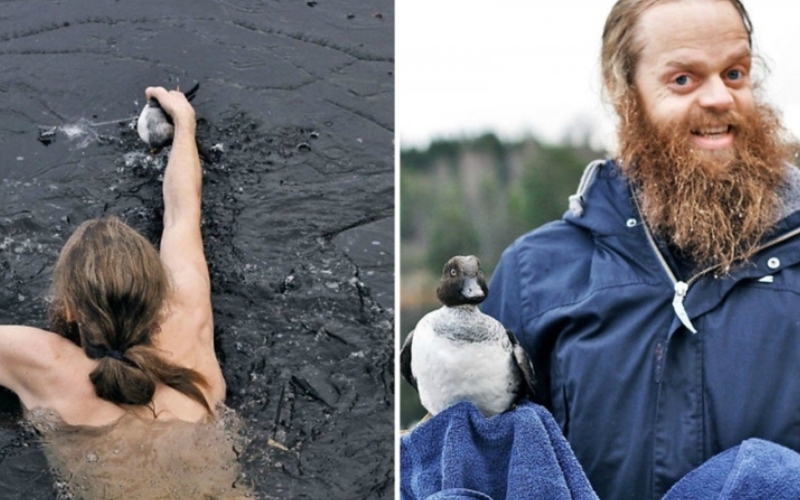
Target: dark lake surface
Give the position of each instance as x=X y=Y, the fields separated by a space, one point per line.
x=296 y=104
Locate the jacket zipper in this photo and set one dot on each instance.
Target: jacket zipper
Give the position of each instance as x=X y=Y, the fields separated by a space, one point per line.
x=682 y=287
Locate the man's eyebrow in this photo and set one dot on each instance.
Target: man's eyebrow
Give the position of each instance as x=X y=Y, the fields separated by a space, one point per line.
x=688 y=64
x=679 y=64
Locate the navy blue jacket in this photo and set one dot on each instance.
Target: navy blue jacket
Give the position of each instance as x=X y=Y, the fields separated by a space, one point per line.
x=641 y=398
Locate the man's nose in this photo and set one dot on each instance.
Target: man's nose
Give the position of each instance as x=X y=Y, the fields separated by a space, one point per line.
x=715 y=95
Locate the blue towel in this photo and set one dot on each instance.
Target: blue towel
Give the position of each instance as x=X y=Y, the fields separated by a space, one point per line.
x=520 y=454
x=754 y=470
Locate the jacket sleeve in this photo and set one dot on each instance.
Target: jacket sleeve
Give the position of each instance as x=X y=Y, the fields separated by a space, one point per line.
x=503 y=300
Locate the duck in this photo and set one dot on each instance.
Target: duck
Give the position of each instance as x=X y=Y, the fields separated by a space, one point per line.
x=457 y=353
x=155 y=126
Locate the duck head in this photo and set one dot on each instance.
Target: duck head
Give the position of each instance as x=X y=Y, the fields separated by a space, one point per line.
x=462 y=282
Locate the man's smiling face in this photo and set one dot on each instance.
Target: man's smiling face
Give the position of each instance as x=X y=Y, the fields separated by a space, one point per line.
x=694 y=70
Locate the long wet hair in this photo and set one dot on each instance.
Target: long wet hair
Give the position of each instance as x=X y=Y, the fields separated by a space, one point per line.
x=621 y=47
x=111 y=281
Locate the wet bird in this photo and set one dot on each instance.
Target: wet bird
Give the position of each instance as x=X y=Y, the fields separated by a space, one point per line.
x=457 y=353
x=155 y=127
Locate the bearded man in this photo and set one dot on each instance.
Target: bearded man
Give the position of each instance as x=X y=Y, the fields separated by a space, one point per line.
x=661 y=313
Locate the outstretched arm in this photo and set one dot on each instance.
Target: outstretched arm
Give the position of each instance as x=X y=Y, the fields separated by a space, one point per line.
x=182 y=241
x=187 y=332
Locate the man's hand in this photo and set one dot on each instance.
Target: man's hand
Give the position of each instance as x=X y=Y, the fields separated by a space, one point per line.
x=175 y=104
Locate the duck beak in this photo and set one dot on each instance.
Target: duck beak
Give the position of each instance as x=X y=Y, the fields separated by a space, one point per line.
x=472 y=289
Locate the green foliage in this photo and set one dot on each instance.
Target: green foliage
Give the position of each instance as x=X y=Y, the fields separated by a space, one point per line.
x=452 y=231
x=415 y=160
x=416 y=189
x=476 y=196
x=447 y=149
x=550 y=177
x=490 y=144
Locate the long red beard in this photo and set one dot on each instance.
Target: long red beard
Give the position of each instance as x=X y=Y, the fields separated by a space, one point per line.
x=713 y=206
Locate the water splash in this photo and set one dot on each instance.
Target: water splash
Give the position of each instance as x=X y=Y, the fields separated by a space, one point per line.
x=81 y=133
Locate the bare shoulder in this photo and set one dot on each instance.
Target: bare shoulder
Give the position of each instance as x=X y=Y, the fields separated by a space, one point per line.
x=29 y=345
x=188 y=321
x=28 y=358
x=186 y=338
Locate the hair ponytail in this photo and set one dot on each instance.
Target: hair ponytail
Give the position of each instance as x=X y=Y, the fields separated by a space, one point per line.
x=113 y=282
x=130 y=377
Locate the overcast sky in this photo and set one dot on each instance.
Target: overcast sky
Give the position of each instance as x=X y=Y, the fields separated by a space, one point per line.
x=516 y=67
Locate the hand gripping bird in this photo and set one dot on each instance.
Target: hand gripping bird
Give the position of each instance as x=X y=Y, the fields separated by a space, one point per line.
x=457 y=353
x=154 y=126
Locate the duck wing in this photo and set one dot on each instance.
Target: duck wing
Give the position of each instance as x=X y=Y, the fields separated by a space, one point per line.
x=527 y=388
x=405 y=361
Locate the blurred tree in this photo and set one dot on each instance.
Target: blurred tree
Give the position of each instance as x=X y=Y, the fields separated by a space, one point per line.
x=416 y=189
x=550 y=177
x=452 y=231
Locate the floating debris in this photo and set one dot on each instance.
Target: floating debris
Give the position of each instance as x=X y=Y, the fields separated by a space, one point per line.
x=47 y=135
x=275 y=444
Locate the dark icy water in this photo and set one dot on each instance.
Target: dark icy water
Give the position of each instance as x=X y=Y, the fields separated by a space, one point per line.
x=297 y=99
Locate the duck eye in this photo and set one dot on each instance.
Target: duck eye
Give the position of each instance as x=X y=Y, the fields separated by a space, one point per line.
x=453 y=272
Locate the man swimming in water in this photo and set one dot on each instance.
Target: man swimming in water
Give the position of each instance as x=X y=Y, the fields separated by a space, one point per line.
x=131 y=346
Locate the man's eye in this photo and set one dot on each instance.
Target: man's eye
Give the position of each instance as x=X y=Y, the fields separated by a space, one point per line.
x=682 y=80
x=734 y=74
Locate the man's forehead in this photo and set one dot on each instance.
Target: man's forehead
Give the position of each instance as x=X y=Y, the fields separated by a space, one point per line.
x=684 y=5
x=674 y=28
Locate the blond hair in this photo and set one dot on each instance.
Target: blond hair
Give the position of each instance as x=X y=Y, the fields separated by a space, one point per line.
x=109 y=290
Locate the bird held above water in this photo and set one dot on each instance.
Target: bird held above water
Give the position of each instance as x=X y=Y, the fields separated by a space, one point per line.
x=154 y=126
x=457 y=353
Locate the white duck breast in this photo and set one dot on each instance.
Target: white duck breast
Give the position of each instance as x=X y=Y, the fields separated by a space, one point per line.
x=461 y=354
x=154 y=126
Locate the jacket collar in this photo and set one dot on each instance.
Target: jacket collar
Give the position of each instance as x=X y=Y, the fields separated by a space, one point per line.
x=604 y=201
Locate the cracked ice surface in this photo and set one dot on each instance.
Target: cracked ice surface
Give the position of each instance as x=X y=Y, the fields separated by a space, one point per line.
x=296 y=102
